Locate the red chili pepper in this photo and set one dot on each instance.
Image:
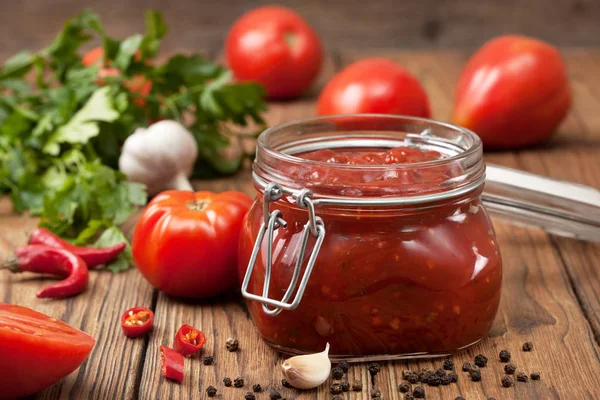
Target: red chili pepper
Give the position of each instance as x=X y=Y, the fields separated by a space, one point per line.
x=171 y=364
x=137 y=321
x=188 y=340
x=91 y=255
x=54 y=261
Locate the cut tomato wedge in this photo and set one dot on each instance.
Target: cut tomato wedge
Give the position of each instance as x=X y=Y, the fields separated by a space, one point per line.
x=36 y=350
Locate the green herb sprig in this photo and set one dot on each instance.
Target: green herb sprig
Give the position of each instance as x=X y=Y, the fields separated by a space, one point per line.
x=62 y=124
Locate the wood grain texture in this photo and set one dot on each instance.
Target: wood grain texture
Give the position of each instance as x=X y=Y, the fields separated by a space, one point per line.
x=551 y=285
x=408 y=24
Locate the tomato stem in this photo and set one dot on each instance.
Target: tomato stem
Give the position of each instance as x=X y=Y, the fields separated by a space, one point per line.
x=290 y=38
x=198 y=205
x=11 y=264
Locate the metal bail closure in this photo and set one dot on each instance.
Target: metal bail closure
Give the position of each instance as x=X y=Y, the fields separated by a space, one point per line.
x=273 y=221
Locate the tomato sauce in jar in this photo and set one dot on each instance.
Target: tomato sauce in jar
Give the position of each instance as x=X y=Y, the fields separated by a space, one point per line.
x=389 y=280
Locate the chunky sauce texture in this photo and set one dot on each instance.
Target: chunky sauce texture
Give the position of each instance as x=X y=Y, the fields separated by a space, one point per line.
x=388 y=281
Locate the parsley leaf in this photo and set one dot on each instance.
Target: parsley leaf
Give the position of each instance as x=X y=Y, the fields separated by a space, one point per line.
x=84 y=124
x=127 y=50
x=112 y=236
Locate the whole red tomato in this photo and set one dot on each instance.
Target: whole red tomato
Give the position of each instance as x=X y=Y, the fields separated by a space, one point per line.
x=374 y=85
x=274 y=46
x=185 y=243
x=513 y=92
x=36 y=350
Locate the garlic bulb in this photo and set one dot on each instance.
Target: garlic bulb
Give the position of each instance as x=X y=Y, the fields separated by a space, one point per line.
x=308 y=371
x=161 y=156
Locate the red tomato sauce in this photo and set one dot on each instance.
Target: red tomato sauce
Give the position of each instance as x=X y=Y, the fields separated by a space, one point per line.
x=386 y=282
x=397 y=155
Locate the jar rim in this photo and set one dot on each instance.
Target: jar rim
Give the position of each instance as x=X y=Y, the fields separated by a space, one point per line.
x=278 y=146
x=475 y=147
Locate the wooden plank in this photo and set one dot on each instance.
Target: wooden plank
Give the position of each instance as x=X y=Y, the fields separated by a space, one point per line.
x=425 y=24
x=114 y=367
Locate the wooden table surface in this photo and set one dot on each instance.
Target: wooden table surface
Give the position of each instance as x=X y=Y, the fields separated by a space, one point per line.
x=551 y=284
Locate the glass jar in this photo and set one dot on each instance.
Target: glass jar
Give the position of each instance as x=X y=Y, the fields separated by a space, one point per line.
x=381 y=261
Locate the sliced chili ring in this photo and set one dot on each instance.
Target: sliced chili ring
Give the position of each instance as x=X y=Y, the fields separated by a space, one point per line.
x=137 y=321
x=171 y=364
x=188 y=340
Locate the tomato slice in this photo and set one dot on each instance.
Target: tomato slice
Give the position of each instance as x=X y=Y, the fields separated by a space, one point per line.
x=188 y=340
x=37 y=350
x=171 y=364
x=137 y=321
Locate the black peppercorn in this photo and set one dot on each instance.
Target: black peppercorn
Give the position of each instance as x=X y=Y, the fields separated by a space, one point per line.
x=238 y=382
x=256 y=388
x=527 y=346
x=448 y=364
x=227 y=382
x=505 y=356
x=507 y=381
x=249 y=396
x=376 y=394
x=357 y=386
x=285 y=383
x=475 y=376
x=466 y=367
x=335 y=388
x=445 y=380
x=274 y=395
x=419 y=392
x=424 y=374
x=344 y=365
x=232 y=344
x=405 y=374
x=337 y=373
x=404 y=388
x=481 y=360
x=453 y=376
x=413 y=377
x=440 y=372
x=208 y=360
x=535 y=376
x=510 y=368
x=522 y=377
x=474 y=368
x=373 y=368
x=409 y=396
x=434 y=380
x=211 y=391
x=345 y=386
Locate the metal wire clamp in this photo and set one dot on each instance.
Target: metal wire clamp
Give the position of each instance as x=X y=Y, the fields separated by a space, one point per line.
x=273 y=221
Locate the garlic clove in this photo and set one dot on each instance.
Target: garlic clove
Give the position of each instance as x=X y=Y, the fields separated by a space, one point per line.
x=307 y=371
x=161 y=156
